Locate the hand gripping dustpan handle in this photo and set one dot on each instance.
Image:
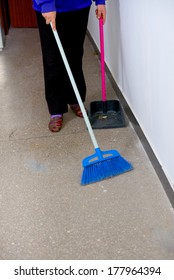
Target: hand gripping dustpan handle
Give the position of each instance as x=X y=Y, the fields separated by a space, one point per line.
x=94 y=141
x=102 y=60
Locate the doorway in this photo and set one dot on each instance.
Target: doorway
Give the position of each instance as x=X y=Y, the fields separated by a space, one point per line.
x=22 y=14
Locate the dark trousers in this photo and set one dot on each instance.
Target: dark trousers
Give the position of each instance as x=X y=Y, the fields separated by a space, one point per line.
x=71 y=27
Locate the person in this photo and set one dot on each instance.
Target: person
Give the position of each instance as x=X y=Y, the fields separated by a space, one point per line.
x=70 y=18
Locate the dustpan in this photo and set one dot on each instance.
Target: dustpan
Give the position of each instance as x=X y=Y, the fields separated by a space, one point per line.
x=105 y=113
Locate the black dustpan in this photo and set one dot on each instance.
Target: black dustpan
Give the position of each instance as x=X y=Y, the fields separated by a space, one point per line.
x=105 y=113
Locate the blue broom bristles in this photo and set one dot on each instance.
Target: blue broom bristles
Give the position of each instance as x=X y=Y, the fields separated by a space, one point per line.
x=103 y=168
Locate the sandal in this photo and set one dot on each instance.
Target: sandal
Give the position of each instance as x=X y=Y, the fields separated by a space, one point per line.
x=55 y=124
x=76 y=109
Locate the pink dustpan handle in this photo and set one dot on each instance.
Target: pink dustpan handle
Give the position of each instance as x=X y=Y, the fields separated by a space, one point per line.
x=102 y=60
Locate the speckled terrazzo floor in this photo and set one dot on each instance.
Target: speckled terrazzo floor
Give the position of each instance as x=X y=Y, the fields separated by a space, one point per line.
x=44 y=211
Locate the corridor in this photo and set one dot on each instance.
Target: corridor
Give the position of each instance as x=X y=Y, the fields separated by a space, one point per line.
x=45 y=212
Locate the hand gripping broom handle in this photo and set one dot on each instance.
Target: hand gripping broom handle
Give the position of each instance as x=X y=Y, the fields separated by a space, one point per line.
x=102 y=61
x=94 y=141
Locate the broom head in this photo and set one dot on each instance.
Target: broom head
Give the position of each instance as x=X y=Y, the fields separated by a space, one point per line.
x=103 y=165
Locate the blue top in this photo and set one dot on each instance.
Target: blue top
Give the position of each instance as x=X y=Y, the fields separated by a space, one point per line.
x=45 y=6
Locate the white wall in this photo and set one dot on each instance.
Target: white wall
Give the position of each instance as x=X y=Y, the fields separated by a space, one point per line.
x=139 y=51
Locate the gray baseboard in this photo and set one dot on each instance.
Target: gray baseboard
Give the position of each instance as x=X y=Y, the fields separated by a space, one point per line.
x=153 y=159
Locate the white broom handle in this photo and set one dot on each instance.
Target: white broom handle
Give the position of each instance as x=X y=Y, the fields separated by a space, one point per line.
x=94 y=141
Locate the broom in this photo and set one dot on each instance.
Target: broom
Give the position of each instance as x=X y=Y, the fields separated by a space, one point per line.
x=102 y=164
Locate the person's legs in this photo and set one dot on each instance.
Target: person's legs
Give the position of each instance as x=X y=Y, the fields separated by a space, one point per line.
x=71 y=28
